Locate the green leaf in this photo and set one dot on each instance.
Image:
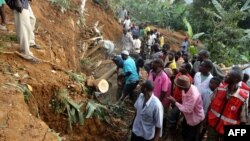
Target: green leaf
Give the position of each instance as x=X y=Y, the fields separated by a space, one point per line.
x=219 y=8
x=189 y=27
x=80 y=117
x=198 y=35
x=91 y=107
x=211 y=13
x=244 y=58
x=75 y=105
x=245 y=6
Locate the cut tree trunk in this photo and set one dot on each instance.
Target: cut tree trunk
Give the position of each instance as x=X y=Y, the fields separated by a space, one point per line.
x=92 y=51
x=108 y=74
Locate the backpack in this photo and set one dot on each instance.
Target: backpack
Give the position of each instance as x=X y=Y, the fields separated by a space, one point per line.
x=11 y=3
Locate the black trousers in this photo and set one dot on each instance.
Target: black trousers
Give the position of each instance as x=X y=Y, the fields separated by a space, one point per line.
x=136 y=138
x=190 y=133
x=128 y=89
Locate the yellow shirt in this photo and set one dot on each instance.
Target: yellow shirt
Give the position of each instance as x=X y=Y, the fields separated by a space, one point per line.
x=146 y=30
x=172 y=65
x=161 y=41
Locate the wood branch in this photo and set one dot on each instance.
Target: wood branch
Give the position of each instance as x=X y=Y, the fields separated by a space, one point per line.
x=94 y=38
x=108 y=74
x=85 y=47
x=6 y=52
x=95 y=57
x=50 y=48
x=92 y=51
x=107 y=62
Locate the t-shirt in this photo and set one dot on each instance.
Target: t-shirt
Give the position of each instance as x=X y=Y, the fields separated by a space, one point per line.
x=129 y=66
x=184 y=46
x=127 y=24
x=147 y=117
x=161 y=84
x=137 y=45
x=192 y=50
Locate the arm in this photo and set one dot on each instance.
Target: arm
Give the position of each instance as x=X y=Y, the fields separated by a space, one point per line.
x=158 y=116
x=157 y=134
x=163 y=94
x=18 y=6
x=127 y=74
x=243 y=114
x=186 y=106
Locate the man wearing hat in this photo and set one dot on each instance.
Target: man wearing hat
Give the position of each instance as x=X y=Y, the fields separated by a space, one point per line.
x=131 y=76
x=191 y=107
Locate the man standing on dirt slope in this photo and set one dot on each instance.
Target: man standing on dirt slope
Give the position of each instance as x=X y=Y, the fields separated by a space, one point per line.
x=148 y=121
x=25 y=24
x=123 y=13
x=131 y=76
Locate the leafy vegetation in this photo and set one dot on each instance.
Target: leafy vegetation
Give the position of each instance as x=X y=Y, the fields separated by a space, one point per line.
x=62 y=103
x=217 y=22
x=63 y=4
x=227 y=42
x=158 y=12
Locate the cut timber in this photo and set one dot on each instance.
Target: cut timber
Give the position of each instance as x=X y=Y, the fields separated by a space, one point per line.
x=101 y=84
x=92 y=51
x=108 y=74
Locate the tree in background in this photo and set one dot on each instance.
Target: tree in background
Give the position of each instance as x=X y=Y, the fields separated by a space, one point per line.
x=227 y=42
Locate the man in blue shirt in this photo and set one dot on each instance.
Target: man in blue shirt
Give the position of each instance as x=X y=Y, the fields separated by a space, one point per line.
x=131 y=76
x=148 y=121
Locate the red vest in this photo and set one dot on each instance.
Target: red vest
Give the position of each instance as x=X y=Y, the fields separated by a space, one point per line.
x=225 y=111
x=244 y=87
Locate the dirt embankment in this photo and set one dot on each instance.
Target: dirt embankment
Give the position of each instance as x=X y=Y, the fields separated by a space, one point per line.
x=60 y=37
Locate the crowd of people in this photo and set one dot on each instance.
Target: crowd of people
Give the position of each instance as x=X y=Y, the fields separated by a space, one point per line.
x=183 y=88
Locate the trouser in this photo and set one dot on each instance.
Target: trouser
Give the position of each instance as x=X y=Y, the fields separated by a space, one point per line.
x=212 y=135
x=25 y=26
x=137 y=138
x=128 y=89
x=190 y=133
x=2 y=14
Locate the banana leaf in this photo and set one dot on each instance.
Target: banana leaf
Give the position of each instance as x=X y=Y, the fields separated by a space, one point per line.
x=73 y=115
x=189 y=27
x=80 y=117
x=91 y=107
x=197 y=35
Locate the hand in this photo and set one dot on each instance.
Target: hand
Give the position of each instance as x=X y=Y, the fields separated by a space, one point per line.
x=172 y=100
x=18 y=6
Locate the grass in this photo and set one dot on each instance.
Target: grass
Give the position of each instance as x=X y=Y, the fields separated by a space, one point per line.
x=8 y=38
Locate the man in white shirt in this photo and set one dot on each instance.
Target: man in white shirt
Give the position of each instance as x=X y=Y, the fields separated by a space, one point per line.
x=108 y=46
x=123 y=13
x=137 y=45
x=127 y=23
x=203 y=77
x=148 y=122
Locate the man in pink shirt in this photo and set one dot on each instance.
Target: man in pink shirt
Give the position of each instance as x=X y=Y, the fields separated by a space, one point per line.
x=191 y=107
x=161 y=81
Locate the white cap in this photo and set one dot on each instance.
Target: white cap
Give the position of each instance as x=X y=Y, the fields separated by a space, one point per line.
x=125 y=52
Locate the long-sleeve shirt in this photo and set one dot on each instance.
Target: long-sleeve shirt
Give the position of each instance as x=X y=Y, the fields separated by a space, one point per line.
x=191 y=106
